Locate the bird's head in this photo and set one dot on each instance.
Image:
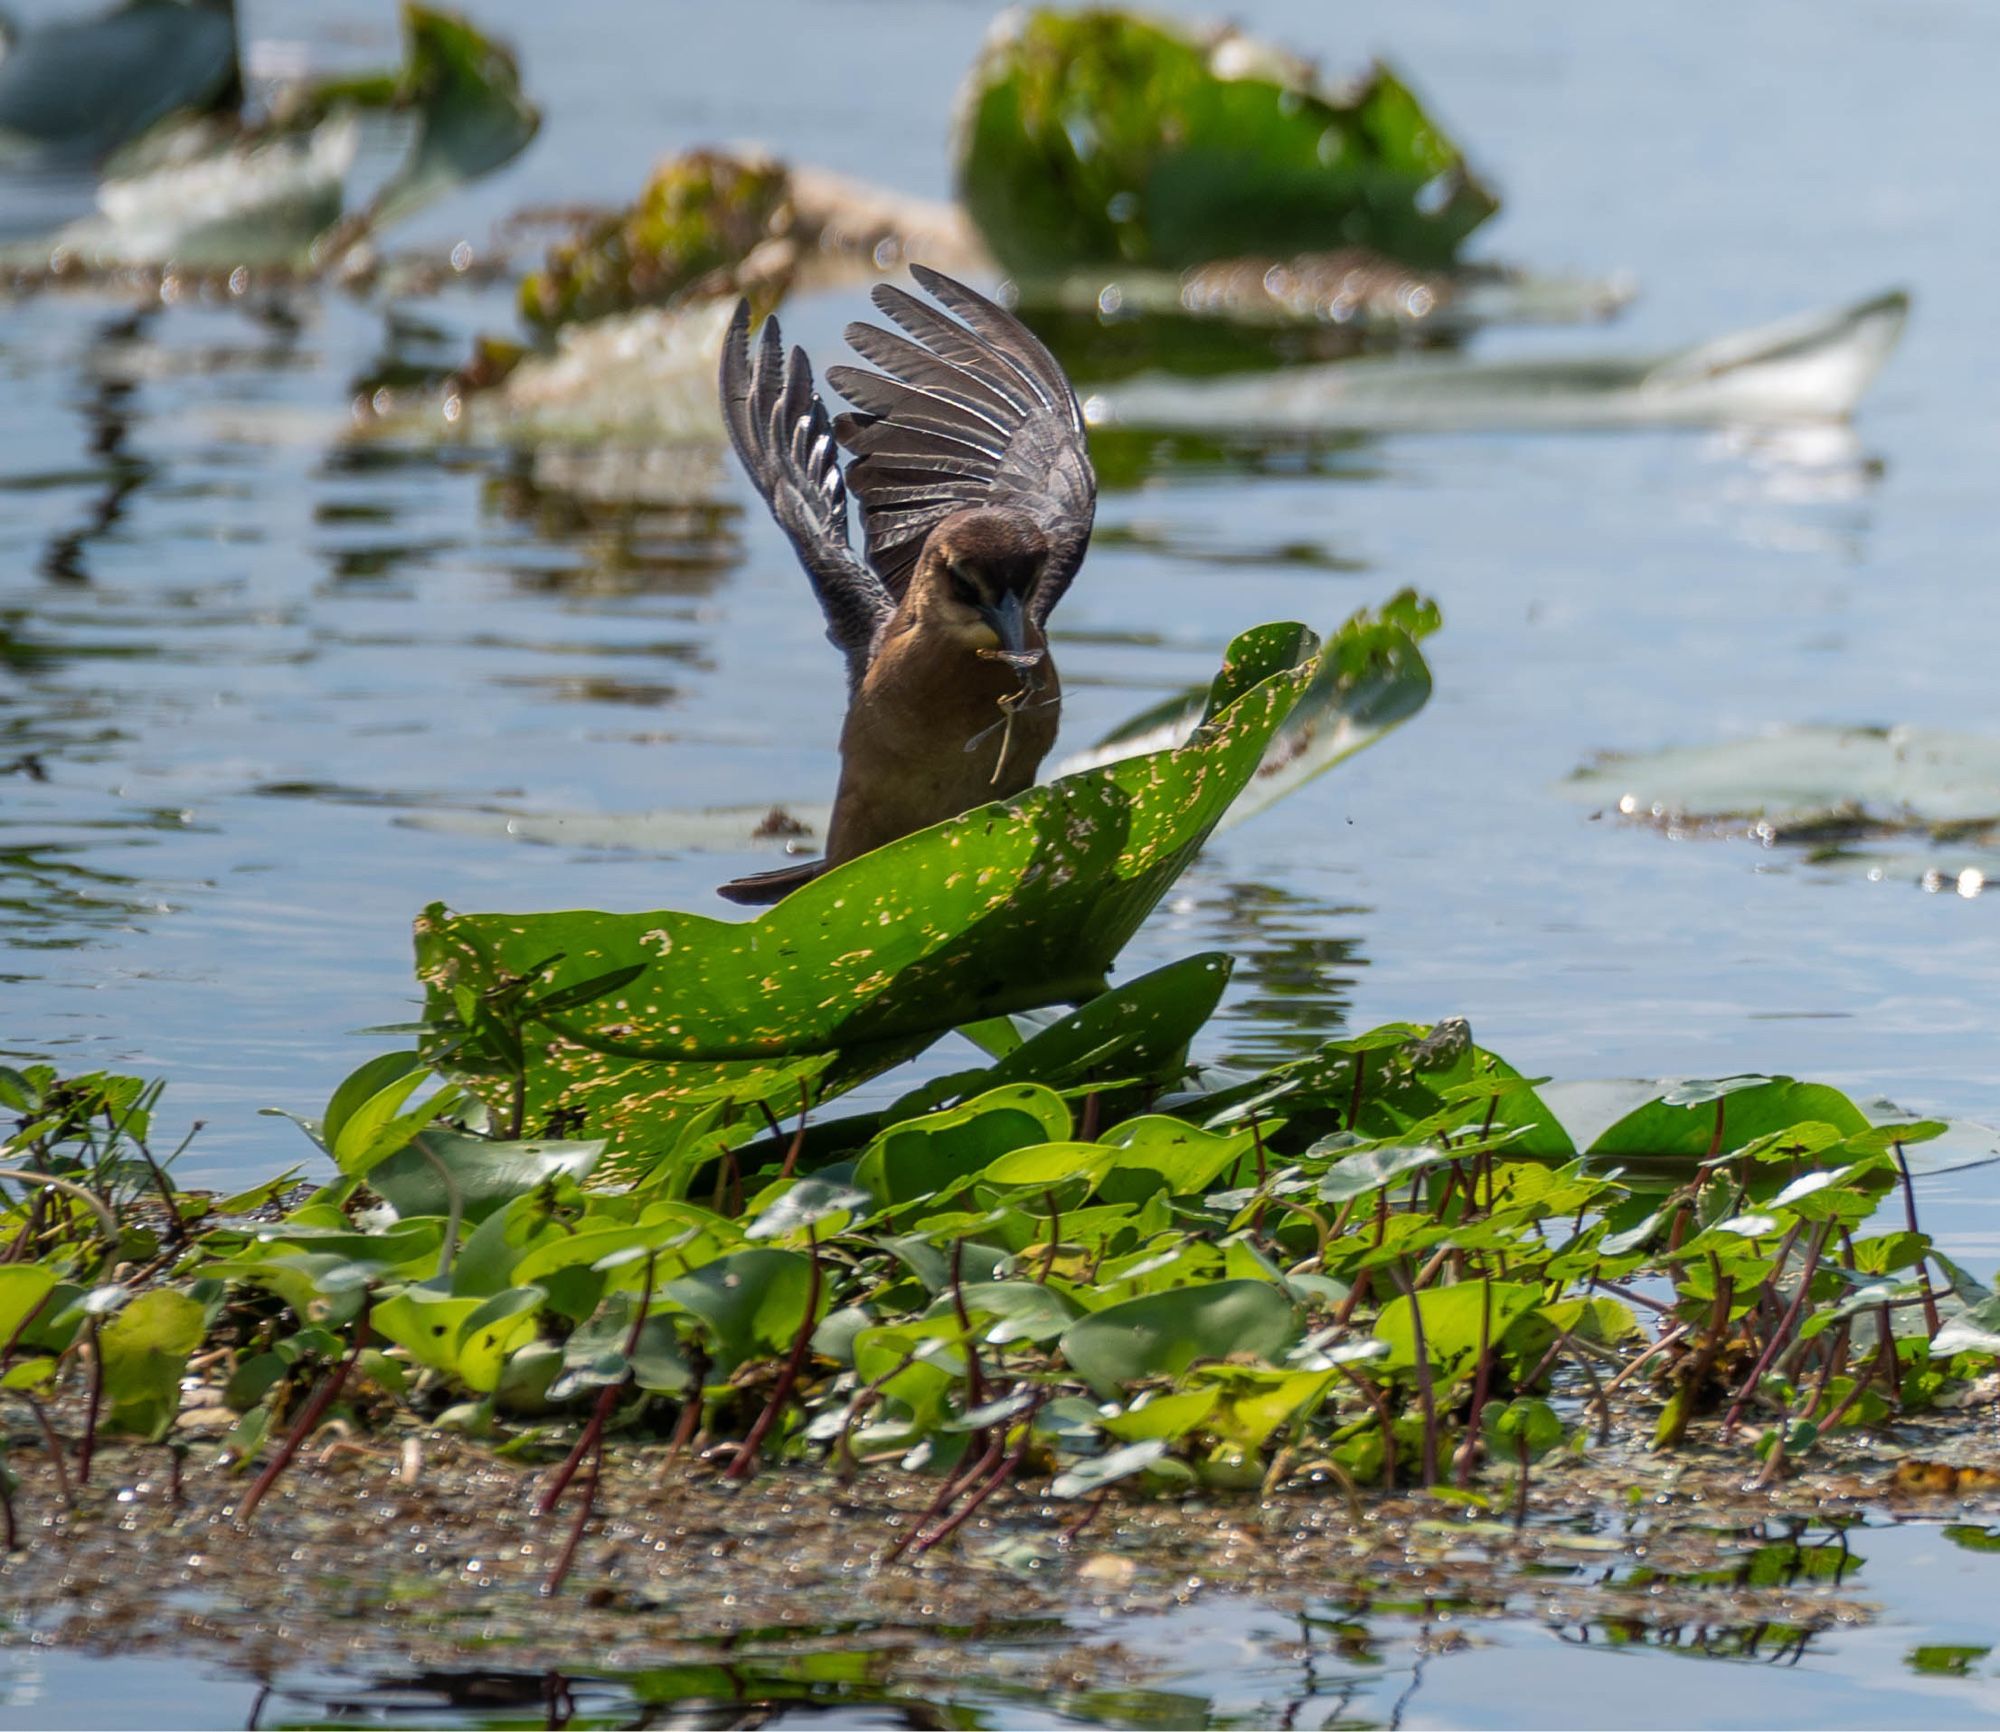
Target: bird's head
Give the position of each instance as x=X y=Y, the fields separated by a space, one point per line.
x=978 y=570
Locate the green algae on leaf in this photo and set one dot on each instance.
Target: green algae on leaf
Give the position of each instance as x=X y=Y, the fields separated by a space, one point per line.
x=1100 y=137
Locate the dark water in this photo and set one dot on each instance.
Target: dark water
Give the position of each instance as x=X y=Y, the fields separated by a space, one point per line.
x=248 y=655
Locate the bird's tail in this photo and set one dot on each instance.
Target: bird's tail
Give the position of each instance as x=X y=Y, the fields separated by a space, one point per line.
x=761 y=888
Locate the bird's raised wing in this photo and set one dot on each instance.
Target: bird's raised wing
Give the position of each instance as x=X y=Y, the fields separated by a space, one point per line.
x=965 y=412
x=780 y=430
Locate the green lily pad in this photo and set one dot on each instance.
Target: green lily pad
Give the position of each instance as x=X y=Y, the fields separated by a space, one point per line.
x=1751 y=1107
x=1454 y=1319
x=471 y=115
x=145 y=1350
x=1102 y=137
x=442 y=1166
x=1371 y=677
x=750 y=1302
x=1009 y=907
x=1162 y=1334
x=73 y=91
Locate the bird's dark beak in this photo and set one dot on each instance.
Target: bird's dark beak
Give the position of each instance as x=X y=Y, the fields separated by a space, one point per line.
x=1010 y=624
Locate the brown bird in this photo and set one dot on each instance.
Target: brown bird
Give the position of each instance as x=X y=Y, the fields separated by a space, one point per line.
x=977 y=494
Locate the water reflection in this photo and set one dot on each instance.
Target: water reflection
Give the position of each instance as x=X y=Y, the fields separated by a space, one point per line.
x=654 y=523
x=1374 y=1654
x=108 y=411
x=1298 y=961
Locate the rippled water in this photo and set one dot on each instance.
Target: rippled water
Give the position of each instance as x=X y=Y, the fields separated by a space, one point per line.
x=251 y=660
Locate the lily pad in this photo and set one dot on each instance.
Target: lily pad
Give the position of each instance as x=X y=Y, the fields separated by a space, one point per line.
x=1162 y=1334
x=1812 y=367
x=1100 y=136
x=441 y=1168
x=1012 y=906
x=471 y=115
x=73 y=91
x=1912 y=803
x=1371 y=677
x=145 y=1350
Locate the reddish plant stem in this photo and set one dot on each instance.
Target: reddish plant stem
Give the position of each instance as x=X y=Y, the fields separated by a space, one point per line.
x=559 y=1570
x=1782 y=1333
x=87 y=1450
x=1479 y=1381
x=600 y=1410
x=53 y=1445
x=1672 y=1337
x=1375 y=1399
x=975 y=1373
x=1078 y=1523
x=745 y=1462
x=1000 y=1476
x=799 y=1140
x=21 y=1328
x=1630 y=1297
x=1884 y=1362
x=945 y=1493
x=1679 y=1411
x=1910 y=1215
x=1830 y=1368
x=308 y=1421
x=688 y=1421
x=1086 y=1130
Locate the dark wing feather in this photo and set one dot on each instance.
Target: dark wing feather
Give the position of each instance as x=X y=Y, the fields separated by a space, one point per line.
x=966 y=411
x=780 y=430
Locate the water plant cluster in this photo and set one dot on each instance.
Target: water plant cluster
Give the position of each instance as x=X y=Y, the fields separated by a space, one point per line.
x=605 y=1194
x=1078 y=1264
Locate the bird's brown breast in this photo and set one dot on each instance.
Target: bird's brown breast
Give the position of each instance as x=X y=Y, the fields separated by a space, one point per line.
x=925 y=737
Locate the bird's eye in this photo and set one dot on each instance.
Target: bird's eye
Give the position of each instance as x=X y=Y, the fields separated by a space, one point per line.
x=963 y=586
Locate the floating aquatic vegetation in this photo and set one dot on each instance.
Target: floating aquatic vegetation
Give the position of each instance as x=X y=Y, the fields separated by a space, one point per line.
x=204 y=195
x=1351 y=290
x=1102 y=138
x=1813 y=367
x=74 y=91
x=1387 y=1264
x=1912 y=803
x=713 y=223
x=1006 y=908
x=695 y=221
